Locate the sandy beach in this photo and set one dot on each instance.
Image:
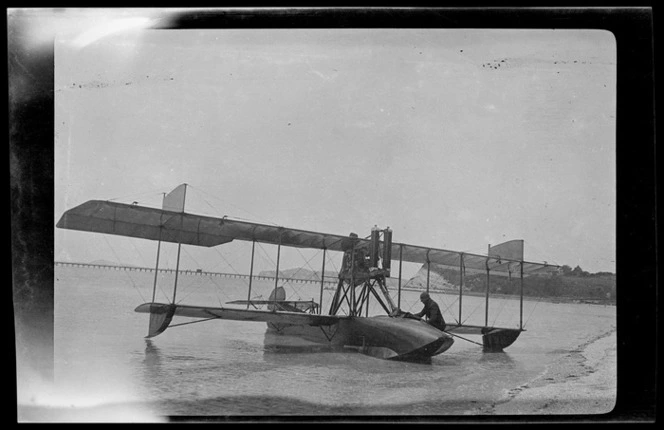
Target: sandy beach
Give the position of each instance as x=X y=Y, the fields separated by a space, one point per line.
x=582 y=382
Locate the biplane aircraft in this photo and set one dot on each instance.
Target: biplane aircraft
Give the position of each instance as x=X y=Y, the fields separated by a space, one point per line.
x=394 y=335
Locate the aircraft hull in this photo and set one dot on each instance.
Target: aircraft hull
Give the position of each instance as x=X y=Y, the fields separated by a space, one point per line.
x=381 y=336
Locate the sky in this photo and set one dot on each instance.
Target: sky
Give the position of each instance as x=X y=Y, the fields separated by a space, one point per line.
x=454 y=138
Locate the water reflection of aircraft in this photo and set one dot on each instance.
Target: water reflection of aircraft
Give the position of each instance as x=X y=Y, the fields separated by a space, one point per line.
x=152 y=353
x=152 y=361
x=365 y=268
x=499 y=362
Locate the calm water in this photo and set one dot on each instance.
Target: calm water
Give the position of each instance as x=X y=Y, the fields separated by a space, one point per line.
x=222 y=368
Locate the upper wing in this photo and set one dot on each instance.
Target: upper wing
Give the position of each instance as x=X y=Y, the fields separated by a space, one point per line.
x=473 y=262
x=179 y=227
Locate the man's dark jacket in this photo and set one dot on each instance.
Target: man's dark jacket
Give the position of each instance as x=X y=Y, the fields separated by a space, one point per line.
x=433 y=314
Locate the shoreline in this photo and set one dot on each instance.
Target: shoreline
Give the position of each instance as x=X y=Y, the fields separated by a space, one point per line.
x=582 y=382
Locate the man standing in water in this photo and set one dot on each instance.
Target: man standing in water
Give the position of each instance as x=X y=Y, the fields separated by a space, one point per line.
x=432 y=312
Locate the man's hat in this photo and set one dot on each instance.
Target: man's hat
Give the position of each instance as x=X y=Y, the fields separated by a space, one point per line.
x=424 y=296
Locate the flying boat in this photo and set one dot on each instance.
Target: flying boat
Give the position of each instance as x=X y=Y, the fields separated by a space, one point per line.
x=366 y=265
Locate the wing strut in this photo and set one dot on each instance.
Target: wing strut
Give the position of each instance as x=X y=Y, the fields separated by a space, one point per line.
x=488 y=280
x=251 y=271
x=162 y=315
x=322 y=284
x=177 y=263
x=276 y=275
x=156 y=267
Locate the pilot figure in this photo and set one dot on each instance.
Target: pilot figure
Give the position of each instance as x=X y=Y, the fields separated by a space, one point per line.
x=432 y=312
x=361 y=262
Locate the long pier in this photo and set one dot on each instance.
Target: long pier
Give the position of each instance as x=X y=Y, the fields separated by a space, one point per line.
x=198 y=272
x=331 y=283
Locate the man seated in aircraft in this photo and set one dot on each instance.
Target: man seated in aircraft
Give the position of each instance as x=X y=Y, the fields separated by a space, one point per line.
x=347 y=246
x=361 y=262
x=431 y=311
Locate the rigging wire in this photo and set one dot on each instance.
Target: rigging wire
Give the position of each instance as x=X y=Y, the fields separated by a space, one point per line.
x=411 y=306
x=266 y=255
x=504 y=300
x=161 y=273
x=403 y=301
x=125 y=271
x=538 y=257
x=307 y=261
x=230 y=265
x=138 y=252
x=214 y=210
x=463 y=338
x=219 y=288
x=191 y=289
x=192 y=322
x=261 y=248
x=287 y=282
x=284 y=280
x=134 y=195
x=330 y=260
x=227 y=203
x=161 y=290
x=475 y=251
x=471 y=313
x=451 y=304
x=531 y=312
x=146 y=265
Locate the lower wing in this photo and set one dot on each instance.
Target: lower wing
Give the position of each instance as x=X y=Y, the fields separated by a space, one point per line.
x=161 y=315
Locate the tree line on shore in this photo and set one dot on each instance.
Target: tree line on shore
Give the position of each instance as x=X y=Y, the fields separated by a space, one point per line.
x=568 y=282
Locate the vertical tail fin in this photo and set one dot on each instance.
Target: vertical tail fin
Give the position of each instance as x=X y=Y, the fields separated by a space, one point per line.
x=278 y=294
x=511 y=250
x=174 y=201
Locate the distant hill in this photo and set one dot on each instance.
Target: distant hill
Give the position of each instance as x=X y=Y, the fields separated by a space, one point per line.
x=583 y=285
x=437 y=280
